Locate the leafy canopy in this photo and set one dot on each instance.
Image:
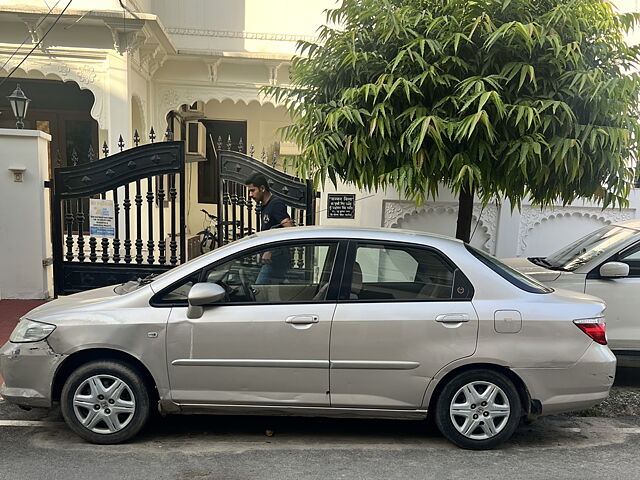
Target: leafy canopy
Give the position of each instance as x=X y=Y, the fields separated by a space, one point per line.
x=506 y=97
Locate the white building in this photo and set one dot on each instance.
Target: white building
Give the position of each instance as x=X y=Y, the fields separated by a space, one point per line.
x=113 y=67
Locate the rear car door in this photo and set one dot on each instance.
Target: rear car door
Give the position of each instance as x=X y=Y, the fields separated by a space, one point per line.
x=404 y=312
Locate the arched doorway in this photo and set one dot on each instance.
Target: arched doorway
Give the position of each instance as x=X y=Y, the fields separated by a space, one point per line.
x=60 y=109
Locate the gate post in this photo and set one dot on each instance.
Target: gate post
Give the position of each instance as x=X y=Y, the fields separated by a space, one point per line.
x=25 y=231
x=311 y=204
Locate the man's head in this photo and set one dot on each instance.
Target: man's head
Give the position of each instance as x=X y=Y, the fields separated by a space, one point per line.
x=258 y=187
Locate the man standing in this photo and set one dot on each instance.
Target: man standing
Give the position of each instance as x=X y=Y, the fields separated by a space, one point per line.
x=275 y=263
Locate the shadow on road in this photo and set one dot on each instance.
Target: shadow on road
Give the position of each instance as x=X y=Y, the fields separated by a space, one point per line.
x=290 y=427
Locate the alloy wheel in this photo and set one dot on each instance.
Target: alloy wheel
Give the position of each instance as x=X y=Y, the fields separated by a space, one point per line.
x=480 y=410
x=104 y=404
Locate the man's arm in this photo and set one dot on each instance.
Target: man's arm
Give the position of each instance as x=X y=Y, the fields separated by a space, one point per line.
x=282 y=215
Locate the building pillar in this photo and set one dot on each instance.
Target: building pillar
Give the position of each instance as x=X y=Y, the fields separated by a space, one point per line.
x=25 y=217
x=508 y=231
x=119 y=102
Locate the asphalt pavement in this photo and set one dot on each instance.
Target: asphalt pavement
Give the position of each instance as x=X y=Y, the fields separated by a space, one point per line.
x=38 y=445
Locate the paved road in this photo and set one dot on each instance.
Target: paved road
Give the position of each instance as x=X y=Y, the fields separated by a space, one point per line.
x=36 y=445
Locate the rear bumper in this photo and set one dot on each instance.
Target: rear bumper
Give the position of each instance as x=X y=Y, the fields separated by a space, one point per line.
x=583 y=385
x=28 y=370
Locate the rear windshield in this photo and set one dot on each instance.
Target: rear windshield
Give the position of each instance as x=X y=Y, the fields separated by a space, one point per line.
x=520 y=280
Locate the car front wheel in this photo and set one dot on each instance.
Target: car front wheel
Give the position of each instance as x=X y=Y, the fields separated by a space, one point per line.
x=478 y=409
x=105 y=402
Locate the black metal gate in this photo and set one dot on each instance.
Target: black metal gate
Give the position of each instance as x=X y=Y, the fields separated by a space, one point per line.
x=238 y=215
x=146 y=186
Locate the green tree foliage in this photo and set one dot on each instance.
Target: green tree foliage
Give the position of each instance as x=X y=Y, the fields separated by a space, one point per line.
x=501 y=98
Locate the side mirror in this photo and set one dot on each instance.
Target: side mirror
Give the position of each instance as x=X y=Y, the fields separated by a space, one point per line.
x=203 y=294
x=614 y=270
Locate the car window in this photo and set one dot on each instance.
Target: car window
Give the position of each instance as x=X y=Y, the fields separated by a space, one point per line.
x=177 y=294
x=277 y=274
x=392 y=272
x=631 y=257
x=520 y=280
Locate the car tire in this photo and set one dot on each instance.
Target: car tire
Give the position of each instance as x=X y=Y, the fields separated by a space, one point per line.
x=478 y=409
x=105 y=402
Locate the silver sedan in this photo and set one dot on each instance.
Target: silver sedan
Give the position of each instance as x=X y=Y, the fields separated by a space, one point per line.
x=321 y=322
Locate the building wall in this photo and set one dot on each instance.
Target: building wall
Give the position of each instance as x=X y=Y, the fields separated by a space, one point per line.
x=240 y=26
x=530 y=231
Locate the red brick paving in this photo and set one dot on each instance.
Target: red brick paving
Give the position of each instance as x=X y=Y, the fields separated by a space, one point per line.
x=10 y=313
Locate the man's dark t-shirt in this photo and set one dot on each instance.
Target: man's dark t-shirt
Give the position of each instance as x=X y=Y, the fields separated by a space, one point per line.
x=273 y=213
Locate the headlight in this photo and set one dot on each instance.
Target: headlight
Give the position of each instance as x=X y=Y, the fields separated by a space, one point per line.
x=31 y=331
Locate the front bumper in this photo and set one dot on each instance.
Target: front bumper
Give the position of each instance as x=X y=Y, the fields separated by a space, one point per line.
x=581 y=386
x=28 y=370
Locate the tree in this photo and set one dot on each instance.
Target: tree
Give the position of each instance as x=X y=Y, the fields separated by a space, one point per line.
x=497 y=98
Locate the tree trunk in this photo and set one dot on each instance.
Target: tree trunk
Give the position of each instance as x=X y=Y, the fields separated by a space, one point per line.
x=465 y=214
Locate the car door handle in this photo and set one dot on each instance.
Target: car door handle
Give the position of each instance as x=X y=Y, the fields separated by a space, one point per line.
x=302 y=319
x=452 y=318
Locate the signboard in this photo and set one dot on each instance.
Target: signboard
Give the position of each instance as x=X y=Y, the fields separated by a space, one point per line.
x=102 y=221
x=341 y=205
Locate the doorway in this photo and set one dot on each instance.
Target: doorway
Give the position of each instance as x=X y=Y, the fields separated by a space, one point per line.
x=60 y=109
x=224 y=130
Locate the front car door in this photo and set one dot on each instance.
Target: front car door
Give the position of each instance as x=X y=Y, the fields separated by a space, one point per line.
x=622 y=296
x=265 y=344
x=404 y=312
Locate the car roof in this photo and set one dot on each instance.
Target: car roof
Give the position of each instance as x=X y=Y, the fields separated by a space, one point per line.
x=364 y=233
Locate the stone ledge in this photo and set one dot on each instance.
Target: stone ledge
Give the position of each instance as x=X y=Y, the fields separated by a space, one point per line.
x=14 y=132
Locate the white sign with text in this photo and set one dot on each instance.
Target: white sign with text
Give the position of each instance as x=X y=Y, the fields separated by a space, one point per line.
x=102 y=221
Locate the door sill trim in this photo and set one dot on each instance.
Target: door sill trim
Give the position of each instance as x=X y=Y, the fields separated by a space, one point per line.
x=306 y=411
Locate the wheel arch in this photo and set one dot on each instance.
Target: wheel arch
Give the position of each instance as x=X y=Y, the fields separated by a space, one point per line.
x=528 y=405
x=81 y=357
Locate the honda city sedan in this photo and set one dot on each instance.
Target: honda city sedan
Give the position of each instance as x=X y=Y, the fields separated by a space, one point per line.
x=606 y=264
x=317 y=322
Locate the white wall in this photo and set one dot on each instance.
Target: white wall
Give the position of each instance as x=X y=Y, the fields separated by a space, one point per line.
x=241 y=25
x=531 y=231
x=25 y=219
x=369 y=205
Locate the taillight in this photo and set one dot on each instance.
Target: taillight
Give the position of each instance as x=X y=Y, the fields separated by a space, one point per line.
x=595 y=328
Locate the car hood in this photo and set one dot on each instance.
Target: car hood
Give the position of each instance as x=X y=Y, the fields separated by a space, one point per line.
x=77 y=300
x=529 y=268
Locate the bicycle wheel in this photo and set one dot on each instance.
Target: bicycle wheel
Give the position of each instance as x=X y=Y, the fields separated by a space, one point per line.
x=207 y=241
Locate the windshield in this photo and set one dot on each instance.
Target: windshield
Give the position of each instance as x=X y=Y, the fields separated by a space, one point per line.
x=601 y=242
x=132 y=285
x=136 y=283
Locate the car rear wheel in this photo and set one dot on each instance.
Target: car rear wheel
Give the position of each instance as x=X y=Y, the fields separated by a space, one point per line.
x=105 y=402
x=478 y=409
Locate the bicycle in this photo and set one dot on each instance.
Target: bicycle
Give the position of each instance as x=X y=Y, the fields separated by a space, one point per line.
x=208 y=236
